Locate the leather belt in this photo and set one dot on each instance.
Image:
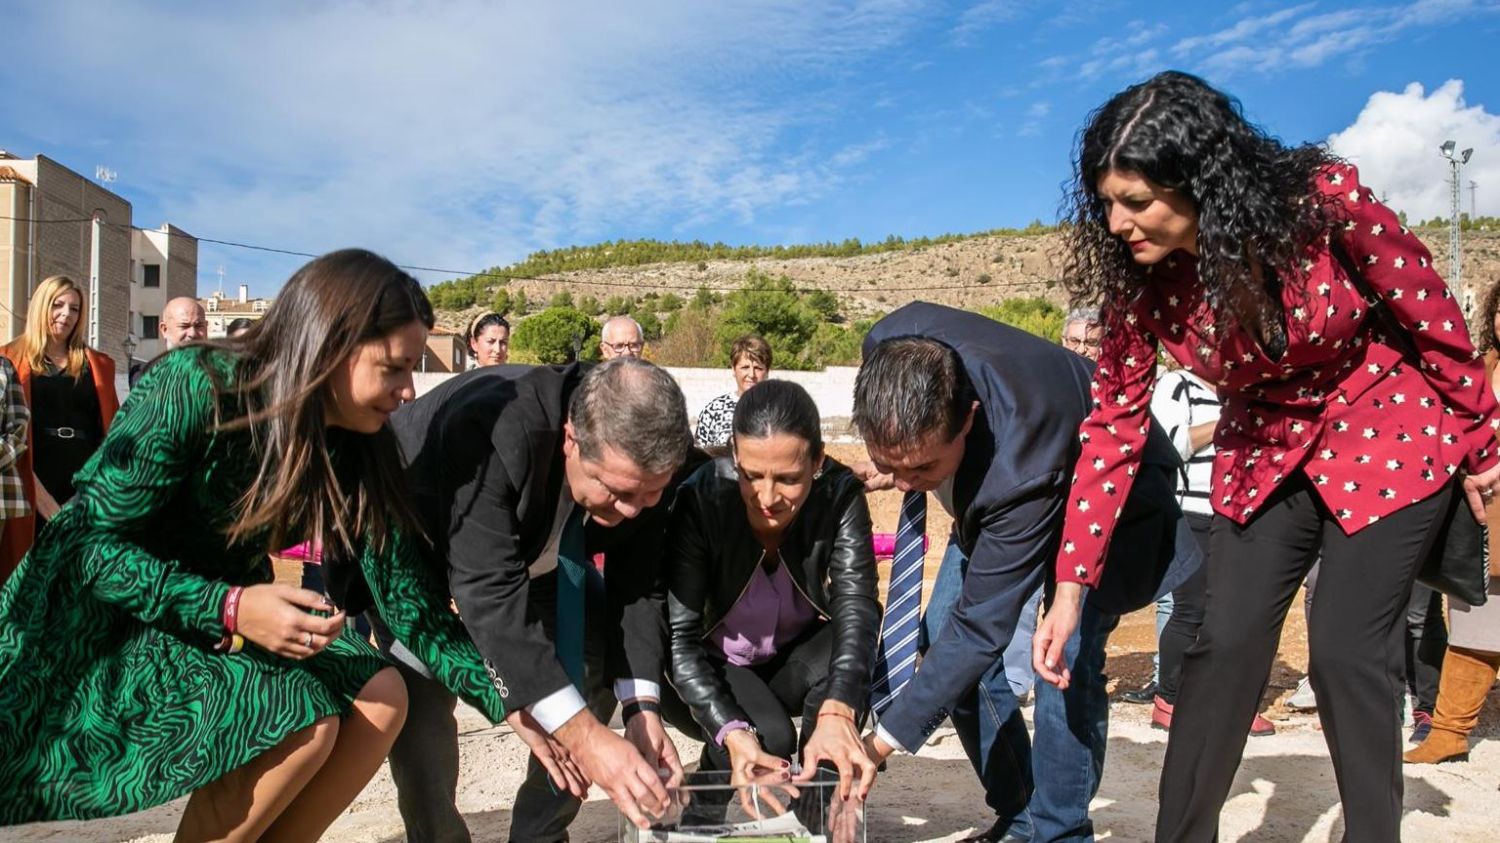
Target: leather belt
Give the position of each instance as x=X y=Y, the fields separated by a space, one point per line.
x=66 y=433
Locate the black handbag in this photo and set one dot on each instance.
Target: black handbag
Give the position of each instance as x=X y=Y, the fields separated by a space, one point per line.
x=1458 y=564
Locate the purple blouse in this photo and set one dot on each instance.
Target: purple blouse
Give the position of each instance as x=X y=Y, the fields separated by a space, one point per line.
x=770 y=613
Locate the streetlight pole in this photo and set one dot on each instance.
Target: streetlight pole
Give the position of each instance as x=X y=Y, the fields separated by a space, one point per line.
x=1455 y=249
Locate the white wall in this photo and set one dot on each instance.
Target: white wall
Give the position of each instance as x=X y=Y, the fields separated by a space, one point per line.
x=832 y=389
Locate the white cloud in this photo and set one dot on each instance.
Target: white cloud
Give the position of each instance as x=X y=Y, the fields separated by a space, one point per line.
x=466 y=133
x=1291 y=38
x=1241 y=30
x=982 y=16
x=1394 y=141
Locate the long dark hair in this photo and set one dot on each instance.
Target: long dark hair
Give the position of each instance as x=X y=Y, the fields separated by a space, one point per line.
x=1253 y=195
x=1484 y=332
x=327 y=310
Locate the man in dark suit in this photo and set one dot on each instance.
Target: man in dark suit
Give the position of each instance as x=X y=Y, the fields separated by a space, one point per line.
x=516 y=471
x=985 y=417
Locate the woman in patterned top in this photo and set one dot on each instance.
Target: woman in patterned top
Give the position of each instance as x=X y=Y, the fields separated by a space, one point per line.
x=144 y=651
x=1248 y=261
x=750 y=361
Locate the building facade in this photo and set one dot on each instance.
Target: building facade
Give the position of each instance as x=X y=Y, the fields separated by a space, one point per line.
x=60 y=223
x=164 y=266
x=223 y=310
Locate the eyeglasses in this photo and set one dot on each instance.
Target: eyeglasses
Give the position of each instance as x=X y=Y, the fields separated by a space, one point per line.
x=622 y=347
x=1080 y=342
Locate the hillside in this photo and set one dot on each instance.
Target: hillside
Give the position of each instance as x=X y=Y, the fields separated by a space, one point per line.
x=968 y=272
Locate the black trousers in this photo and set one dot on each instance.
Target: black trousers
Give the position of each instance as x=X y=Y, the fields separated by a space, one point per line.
x=425 y=758
x=1356 y=657
x=795 y=682
x=1426 y=642
x=1188 y=602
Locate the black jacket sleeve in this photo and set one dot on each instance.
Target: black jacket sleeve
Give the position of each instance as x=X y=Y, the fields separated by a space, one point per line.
x=853 y=599
x=487 y=571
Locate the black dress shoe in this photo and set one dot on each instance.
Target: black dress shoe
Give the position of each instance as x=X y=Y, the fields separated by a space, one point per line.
x=1142 y=696
x=994 y=834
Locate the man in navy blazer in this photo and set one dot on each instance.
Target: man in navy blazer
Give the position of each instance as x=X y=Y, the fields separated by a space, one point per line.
x=985 y=417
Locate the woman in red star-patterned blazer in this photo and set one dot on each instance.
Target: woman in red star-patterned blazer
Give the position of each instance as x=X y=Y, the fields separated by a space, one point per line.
x=1198 y=233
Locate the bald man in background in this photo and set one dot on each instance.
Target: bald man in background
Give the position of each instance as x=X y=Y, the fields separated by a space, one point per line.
x=182 y=321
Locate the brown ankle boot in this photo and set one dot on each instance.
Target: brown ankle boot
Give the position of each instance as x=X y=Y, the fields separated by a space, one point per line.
x=1466 y=679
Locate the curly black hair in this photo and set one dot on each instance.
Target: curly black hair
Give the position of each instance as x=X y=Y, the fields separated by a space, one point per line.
x=1484 y=330
x=1254 y=196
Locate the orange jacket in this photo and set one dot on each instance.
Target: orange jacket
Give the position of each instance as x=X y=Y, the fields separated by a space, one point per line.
x=19 y=532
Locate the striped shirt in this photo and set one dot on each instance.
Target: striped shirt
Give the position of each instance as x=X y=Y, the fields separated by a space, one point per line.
x=1182 y=401
x=14 y=419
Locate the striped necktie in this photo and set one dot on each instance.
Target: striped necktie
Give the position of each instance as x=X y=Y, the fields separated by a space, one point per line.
x=571 y=559
x=896 y=662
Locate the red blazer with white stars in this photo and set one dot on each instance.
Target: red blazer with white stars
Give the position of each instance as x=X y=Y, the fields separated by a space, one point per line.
x=1369 y=430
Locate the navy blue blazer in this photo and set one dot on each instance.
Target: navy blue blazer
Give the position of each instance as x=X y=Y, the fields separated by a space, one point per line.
x=1010 y=495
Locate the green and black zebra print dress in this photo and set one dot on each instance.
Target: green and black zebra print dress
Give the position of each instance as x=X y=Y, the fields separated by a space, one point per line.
x=112 y=699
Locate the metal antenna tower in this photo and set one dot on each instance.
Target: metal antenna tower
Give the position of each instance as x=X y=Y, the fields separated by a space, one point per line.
x=1455 y=249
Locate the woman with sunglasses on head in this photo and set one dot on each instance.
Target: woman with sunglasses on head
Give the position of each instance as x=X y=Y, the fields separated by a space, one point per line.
x=1343 y=427
x=149 y=596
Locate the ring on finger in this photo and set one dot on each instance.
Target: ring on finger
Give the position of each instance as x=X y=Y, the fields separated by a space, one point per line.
x=307 y=639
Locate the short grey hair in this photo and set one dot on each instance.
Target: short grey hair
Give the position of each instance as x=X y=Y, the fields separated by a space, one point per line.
x=635 y=408
x=1089 y=315
x=618 y=320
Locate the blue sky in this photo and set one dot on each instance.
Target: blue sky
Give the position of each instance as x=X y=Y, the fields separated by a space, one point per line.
x=467 y=134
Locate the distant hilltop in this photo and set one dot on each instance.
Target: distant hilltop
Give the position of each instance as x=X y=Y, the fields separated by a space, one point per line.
x=968 y=271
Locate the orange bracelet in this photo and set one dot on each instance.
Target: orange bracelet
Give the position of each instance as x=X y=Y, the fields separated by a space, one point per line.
x=848 y=717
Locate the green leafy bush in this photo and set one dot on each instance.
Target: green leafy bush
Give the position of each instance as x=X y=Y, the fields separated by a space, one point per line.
x=552 y=335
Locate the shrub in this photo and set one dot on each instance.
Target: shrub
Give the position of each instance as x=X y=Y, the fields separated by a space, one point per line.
x=553 y=334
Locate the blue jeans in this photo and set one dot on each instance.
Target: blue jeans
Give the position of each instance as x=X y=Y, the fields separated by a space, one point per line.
x=1047 y=801
x=1164 y=606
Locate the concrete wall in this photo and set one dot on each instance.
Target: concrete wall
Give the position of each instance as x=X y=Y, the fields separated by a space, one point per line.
x=832 y=389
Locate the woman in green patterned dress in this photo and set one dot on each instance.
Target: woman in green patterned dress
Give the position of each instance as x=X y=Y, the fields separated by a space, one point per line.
x=144 y=652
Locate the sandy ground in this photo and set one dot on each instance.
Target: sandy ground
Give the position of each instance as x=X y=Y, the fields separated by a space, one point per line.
x=1284 y=792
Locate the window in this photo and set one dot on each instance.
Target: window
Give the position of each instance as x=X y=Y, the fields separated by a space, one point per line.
x=150 y=327
x=213 y=305
x=152 y=275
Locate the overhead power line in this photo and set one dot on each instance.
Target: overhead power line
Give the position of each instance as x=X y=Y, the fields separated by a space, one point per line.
x=501 y=276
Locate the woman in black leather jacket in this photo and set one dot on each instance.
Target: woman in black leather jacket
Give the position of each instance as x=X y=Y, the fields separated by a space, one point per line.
x=772 y=598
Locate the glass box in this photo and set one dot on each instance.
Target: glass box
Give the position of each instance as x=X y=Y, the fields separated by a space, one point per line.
x=706 y=808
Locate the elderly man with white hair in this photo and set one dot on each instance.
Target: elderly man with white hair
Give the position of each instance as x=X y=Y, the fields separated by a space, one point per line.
x=621 y=337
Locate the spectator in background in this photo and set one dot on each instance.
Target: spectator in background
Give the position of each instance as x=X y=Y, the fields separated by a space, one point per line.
x=489 y=340
x=238 y=326
x=621 y=336
x=1187 y=408
x=1473 y=654
x=182 y=321
x=15 y=421
x=750 y=361
x=70 y=389
x=1082 y=332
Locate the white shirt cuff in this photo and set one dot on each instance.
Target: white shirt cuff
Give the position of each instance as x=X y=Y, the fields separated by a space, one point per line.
x=631 y=689
x=886 y=736
x=557 y=708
